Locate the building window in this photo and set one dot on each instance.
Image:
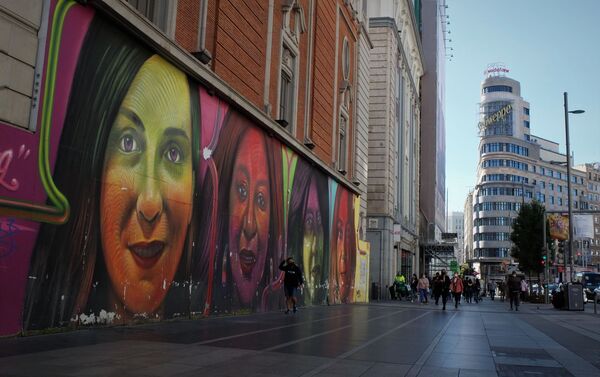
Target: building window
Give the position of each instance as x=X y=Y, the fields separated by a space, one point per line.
x=526 y=124
x=497 y=88
x=526 y=111
x=527 y=137
x=342 y=143
x=552 y=200
x=286 y=89
x=551 y=186
x=162 y=13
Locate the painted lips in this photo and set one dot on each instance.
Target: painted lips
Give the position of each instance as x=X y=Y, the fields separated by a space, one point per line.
x=146 y=254
x=247 y=262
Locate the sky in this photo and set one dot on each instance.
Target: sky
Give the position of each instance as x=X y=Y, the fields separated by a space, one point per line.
x=550 y=47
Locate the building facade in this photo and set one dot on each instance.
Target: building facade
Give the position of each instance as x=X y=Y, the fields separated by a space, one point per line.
x=515 y=167
x=394 y=130
x=456 y=224
x=590 y=248
x=432 y=169
x=468 y=226
x=161 y=158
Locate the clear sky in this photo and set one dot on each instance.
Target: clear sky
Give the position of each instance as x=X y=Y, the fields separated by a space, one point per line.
x=550 y=47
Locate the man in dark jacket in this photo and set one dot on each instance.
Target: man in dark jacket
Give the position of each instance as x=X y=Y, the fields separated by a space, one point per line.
x=291 y=281
x=445 y=280
x=514 y=289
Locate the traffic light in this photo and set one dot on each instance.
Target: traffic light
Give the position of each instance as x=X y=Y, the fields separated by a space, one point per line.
x=560 y=253
x=543 y=261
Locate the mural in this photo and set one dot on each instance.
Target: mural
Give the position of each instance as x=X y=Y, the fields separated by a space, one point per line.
x=144 y=197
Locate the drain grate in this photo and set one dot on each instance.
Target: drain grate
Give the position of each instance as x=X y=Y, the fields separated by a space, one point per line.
x=508 y=370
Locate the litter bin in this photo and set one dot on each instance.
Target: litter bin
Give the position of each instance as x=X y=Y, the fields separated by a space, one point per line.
x=374 y=291
x=574 y=296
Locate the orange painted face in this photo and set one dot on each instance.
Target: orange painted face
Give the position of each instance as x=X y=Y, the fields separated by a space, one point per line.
x=343 y=231
x=249 y=215
x=147 y=187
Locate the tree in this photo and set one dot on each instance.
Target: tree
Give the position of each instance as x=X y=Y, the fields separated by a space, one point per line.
x=527 y=238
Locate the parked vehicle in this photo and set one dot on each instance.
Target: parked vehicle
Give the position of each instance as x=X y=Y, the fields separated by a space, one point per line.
x=590 y=281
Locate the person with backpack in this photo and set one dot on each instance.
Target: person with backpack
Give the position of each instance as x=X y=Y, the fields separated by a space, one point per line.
x=291 y=281
x=457 y=288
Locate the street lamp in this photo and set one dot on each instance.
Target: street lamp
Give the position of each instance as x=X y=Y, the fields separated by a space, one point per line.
x=569 y=181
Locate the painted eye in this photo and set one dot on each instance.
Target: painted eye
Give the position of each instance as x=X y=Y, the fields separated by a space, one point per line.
x=260 y=200
x=242 y=191
x=174 y=154
x=128 y=144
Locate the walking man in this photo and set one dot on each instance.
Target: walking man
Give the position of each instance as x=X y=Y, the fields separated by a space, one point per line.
x=445 y=281
x=423 y=286
x=514 y=290
x=437 y=287
x=291 y=281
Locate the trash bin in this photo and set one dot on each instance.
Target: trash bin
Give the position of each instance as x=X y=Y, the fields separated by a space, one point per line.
x=574 y=296
x=374 y=291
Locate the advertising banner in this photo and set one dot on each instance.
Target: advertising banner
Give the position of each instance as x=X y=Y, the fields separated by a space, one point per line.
x=558 y=226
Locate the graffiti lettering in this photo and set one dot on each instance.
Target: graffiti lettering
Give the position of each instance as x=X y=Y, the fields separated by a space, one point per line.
x=6 y=158
x=8 y=231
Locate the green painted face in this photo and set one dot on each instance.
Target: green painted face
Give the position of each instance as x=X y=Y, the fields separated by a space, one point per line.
x=147 y=186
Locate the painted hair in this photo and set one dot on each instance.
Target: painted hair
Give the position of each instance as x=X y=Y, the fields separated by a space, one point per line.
x=224 y=297
x=349 y=246
x=67 y=270
x=303 y=178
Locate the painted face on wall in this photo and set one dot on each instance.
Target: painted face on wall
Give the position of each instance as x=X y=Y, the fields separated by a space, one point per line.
x=249 y=215
x=312 y=250
x=147 y=186
x=343 y=233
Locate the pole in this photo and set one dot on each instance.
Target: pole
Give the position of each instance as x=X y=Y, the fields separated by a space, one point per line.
x=569 y=186
x=546 y=265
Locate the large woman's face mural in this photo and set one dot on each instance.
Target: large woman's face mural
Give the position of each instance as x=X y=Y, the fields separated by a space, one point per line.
x=249 y=214
x=147 y=186
x=312 y=250
x=343 y=233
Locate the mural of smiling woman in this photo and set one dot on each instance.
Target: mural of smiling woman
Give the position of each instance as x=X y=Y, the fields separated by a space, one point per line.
x=249 y=213
x=125 y=162
x=147 y=186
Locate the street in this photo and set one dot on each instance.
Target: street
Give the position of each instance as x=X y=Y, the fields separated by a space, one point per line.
x=387 y=338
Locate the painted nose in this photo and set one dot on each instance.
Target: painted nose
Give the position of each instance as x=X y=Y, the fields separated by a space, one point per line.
x=250 y=222
x=149 y=204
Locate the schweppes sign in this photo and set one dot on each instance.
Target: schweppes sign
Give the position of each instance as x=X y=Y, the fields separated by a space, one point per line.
x=497 y=116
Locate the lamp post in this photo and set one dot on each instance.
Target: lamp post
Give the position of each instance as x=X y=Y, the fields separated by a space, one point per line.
x=569 y=181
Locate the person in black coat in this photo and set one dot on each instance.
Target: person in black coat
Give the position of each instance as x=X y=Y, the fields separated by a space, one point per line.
x=291 y=281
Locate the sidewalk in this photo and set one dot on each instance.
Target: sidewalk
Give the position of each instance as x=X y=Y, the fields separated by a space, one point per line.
x=387 y=338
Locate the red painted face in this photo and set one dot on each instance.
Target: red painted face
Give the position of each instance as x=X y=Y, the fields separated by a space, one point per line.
x=249 y=215
x=343 y=234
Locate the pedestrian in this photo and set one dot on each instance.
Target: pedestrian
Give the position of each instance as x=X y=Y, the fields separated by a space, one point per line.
x=291 y=282
x=445 y=280
x=514 y=290
x=524 y=289
x=414 y=282
x=492 y=289
x=468 y=286
x=502 y=290
x=437 y=287
x=456 y=287
x=423 y=287
x=476 y=290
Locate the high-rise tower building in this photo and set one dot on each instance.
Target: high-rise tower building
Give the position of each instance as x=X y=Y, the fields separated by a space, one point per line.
x=515 y=167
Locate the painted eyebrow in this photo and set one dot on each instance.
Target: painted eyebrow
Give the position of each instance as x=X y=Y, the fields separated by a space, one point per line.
x=173 y=132
x=133 y=117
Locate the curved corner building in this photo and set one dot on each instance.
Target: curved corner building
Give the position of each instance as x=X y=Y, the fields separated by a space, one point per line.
x=514 y=167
